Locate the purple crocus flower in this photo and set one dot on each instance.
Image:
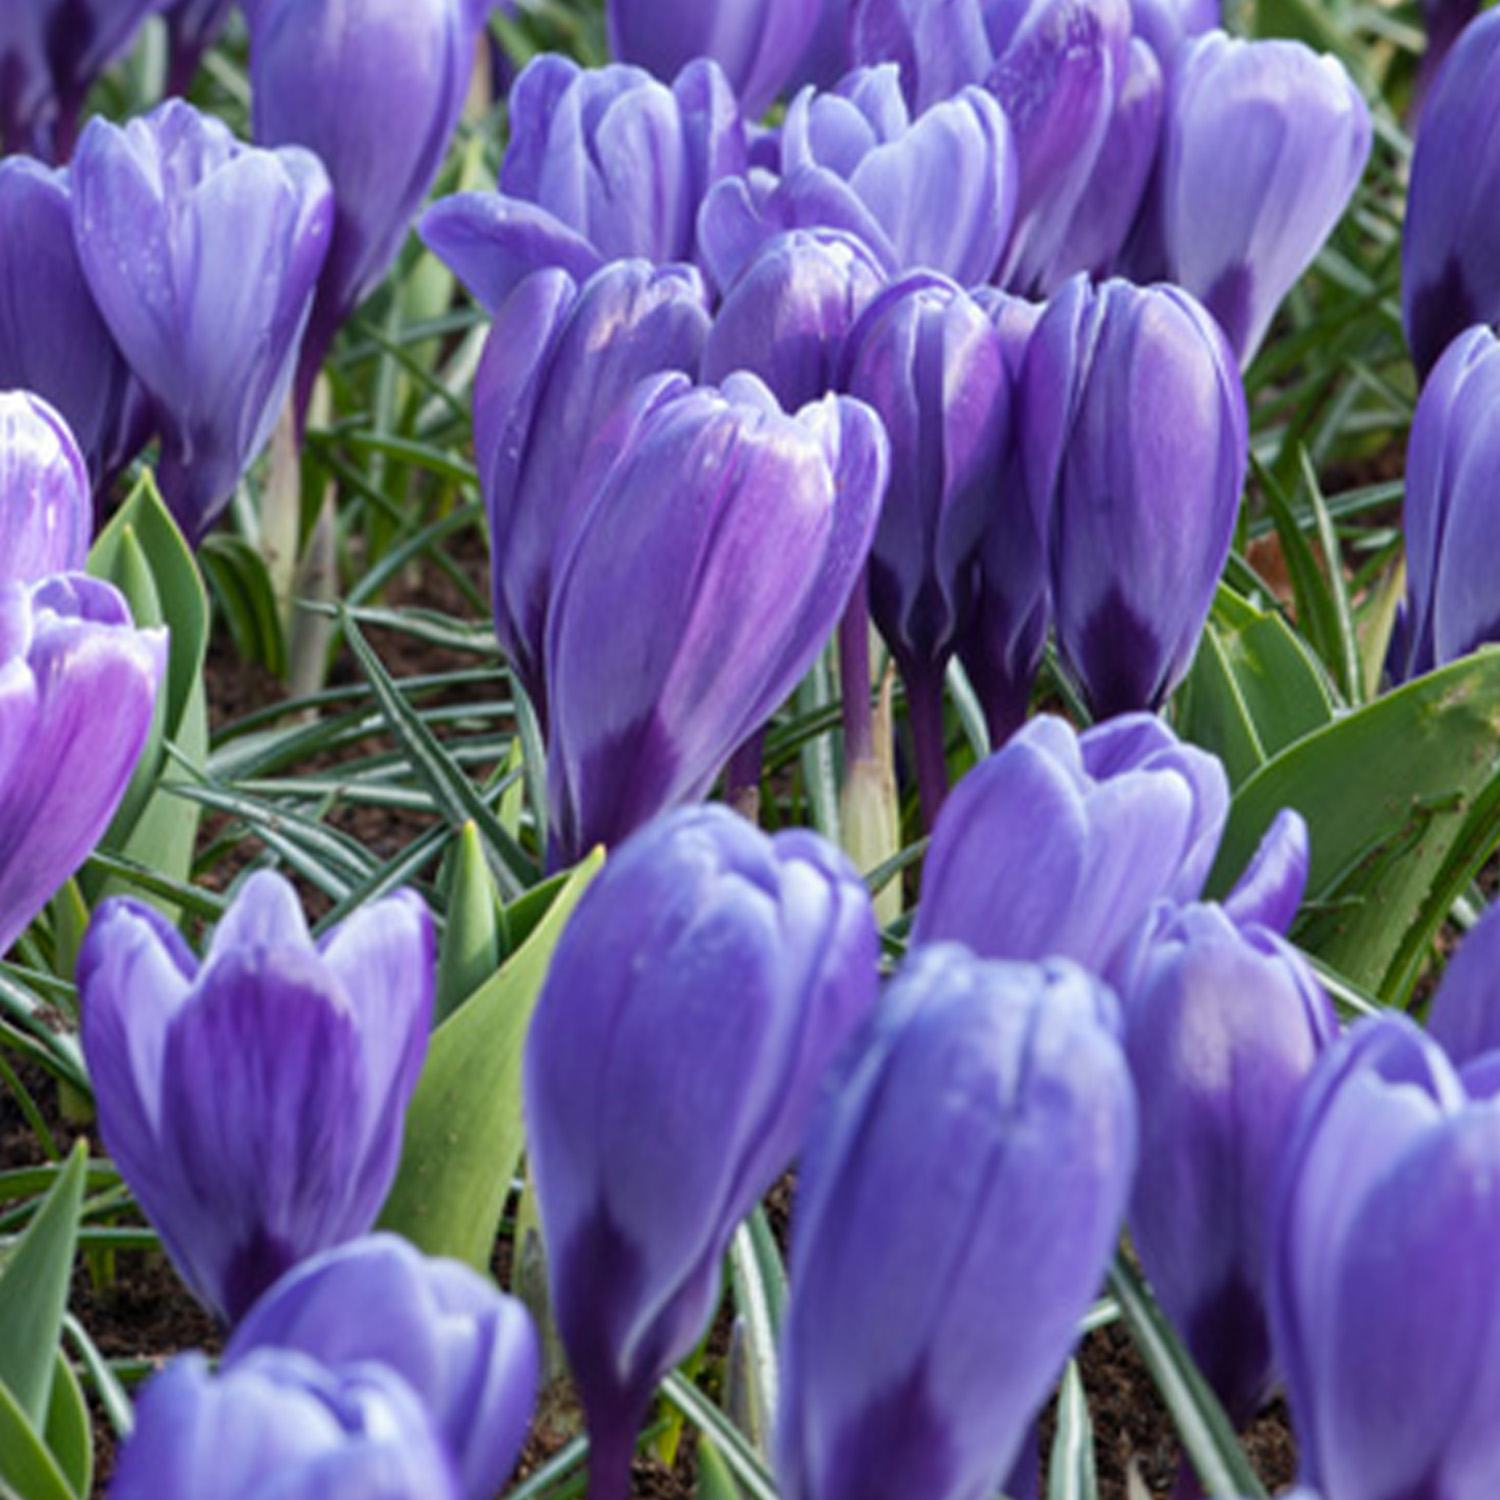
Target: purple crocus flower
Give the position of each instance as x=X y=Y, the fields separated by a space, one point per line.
x=1383 y=1292
x=1444 y=21
x=936 y=191
x=468 y=1351
x=1450 y=243
x=1002 y=649
x=52 y=339
x=929 y=360
x=959 y=1199
x=1465 y=1013
x=78 y=681
x=1107 y=210
x=1164 y=25
x=375 y=88
x=756 y=42
x=786 y=317
x=1140 y=527
x=255 y=1102
x=1449 y=512
x=280 y=1425
x=940 y=46
x=1061 y=843
x=1263 y=145
x=46 y=518
x=697 y=590
x=693 y=1005
x=51 y=52
x=192 y=28
x=1223 y=1025
x=169 y=212
x=551 y=412
x=603 y=163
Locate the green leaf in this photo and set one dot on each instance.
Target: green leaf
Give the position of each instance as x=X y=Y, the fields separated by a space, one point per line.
x=1207 y=1438
x=1253 y=690
x=739 y=1457
x=453 y=792
x=474 y=939
x=715 y=1482
x=27 y=1470
x=464 y=1130
x=1402 y=801
x=241 y=584
x=1070 y=1469
x=69 y=1434
x=34 y=1292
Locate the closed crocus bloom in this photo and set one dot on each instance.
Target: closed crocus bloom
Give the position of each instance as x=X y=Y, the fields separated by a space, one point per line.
x=1465 y=1013
x=1450 y=242
x=786 y=317
x=693 y=1005
x=51 y=52
x=1449 y=512
x=1104 y=215
x=375 y=88
x=603 y=163
x=169 y=211
x=1262 y=147
x=933 y=192
x=1223 y=1025
x=940 y=46
x=1062 y=843
x=958 y=1201
x=1383 y=1292
x=929 y=361
x=1445 y=21
x=701 y=585
x=254 y=1103
x=52 y=339
x=278 y=1426
x=78 y=686
x=550 y=411
x=1002 y=649
x=467 y=1351
x=46 y=517
x=1060 y=67
x=1165 y=24
x=756 y=42
x=1136 y=441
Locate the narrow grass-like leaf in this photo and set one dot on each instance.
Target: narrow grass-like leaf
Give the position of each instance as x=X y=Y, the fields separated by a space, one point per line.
x=513 y=869
x=1349 y=671
x=1207 y=1438
x=1071 y=1473
x=99 y=1374
x=741 y=1459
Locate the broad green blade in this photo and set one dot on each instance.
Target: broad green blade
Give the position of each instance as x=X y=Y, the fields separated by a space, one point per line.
x=464 y=1130
x=1402 y=801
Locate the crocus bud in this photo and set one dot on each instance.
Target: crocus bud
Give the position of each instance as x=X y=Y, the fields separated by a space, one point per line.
x=169 y=211
x=1263 y=145
x=935 y=192
x=1444 y=21
x=1450 y=242
x=1165 y=24
x=756 y=42
x=549 y=397
x=375 y=88
x=1060 y=66
x=51 y=52
x=1002 y=649
x=929 y=361
x=1449 y=514
x=1223 y=1025
x=52 y=339
x=78 y=686
x=960 y=1196
x=603 y=163
x=279 y=1424
x=1465 y=1013
x=693 y=1005
x=696 y=591
x=46 y=517
x=1384 y=1294
x=467 y=1351
x=1061 y=843
x=1107 y=209
x=254 y=1103
x=786 y=317
x=1140 y=527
